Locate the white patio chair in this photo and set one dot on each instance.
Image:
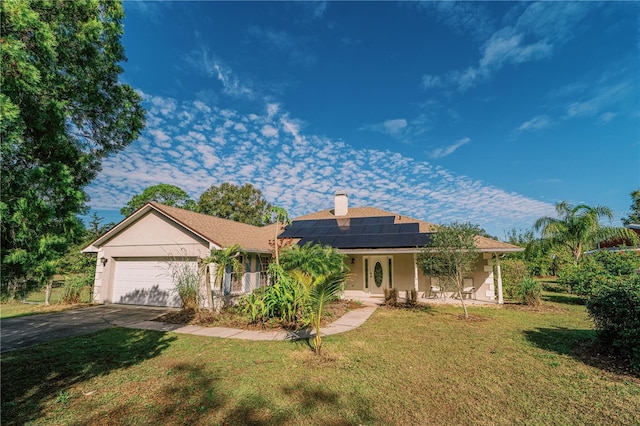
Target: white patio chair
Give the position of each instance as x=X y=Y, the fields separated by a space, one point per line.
x=435 y=292
x=468 y=291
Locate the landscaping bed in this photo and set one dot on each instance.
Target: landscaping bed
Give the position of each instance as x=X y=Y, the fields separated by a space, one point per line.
x=231 y=318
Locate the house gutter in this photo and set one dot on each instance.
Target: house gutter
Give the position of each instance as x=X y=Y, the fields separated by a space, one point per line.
x=420 y=249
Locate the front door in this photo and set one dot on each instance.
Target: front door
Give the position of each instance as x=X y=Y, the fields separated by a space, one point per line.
x=378 y=273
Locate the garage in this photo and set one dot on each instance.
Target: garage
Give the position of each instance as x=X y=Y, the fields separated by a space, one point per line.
x=133 y=258
x=145 y=282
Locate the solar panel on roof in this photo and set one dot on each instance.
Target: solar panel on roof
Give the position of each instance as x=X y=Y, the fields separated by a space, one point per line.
x=364 y=232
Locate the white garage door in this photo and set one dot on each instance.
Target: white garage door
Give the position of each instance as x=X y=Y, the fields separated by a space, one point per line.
x=144 y=282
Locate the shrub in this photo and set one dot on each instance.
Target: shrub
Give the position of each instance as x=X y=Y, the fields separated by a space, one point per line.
x=412 y=298
x=601 y=269
x=73 y=287
x=390 y=297
x=530 y=291
x=616 y=312
x=554 y=287
x=312 y=259
x=286 y=298
x=514 y=271
x=253 y=306
x=186 y=281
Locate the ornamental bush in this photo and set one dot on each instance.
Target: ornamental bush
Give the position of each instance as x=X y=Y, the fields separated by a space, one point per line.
x=530 y=291
x=514 y=271
x=615 y=309
x=601 y=269
x=73 y=287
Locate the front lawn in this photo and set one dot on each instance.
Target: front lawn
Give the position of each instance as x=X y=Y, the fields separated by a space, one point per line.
x=20 y=309
x=422 y=366
x=35 y=303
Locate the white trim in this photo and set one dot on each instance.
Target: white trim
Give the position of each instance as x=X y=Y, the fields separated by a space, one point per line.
x=416 y=250
x=415 y=272
x=499 y=276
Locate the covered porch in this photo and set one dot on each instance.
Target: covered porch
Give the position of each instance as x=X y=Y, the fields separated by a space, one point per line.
x=373 y=271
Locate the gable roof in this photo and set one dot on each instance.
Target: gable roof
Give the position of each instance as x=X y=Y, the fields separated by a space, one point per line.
x=225 y=232
x=220 y=232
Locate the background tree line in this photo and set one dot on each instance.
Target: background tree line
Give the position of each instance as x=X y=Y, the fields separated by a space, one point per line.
x=244 y=204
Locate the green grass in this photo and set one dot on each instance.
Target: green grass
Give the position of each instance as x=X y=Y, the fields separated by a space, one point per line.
x=426 y=366
x=56 y=296
x=19 y=309
x=35 y=303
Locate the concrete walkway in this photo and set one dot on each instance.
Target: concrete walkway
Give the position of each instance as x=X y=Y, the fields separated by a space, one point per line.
x=349 y=321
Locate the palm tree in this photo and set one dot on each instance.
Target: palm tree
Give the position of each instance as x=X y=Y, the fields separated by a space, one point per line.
x=324 y=289
x=223 y=258
x=279 y=215
x=578 y=228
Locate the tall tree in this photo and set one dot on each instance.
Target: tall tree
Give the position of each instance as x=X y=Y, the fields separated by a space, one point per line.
x=163 y=193
x=451 y=256
x=541 y=258
x=62 y=111
x=579 y=228
x=240 y=203
x=634 y=214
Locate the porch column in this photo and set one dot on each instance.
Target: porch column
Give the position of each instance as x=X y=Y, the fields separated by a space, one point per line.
x=499 y=272
x=415 y=271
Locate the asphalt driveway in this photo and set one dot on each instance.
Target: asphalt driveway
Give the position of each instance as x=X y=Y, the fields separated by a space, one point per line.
x=21 y=332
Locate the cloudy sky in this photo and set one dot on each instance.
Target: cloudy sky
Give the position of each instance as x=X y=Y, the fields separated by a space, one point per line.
x=482 y=112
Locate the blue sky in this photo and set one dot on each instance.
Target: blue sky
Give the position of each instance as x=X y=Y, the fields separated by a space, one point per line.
x=482 y=112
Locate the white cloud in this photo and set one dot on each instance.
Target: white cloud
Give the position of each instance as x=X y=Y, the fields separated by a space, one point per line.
x=269 y=131
x=593 y=104
x=531 y=34
x=550 y=180
x=448 y=150
x=607 y=117
x=462 y=17
x=209 y=64
x=430 y=81
x=394 y=127
x=294 y=48
x=401 y=129
x=301 y=172
x=535 y=124
x=240 y=127
x=159 y=136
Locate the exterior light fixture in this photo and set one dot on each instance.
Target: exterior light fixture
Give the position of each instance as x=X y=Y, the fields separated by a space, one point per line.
x=104 y=261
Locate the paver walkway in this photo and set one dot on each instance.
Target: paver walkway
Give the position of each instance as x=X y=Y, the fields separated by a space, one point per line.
x=349 y=321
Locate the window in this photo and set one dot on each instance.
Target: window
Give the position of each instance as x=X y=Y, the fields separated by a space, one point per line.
x=263 y=266
x=366 y=273
x=377 y=274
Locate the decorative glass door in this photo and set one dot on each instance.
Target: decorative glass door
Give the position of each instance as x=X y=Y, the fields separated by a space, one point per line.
x=378 y=273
